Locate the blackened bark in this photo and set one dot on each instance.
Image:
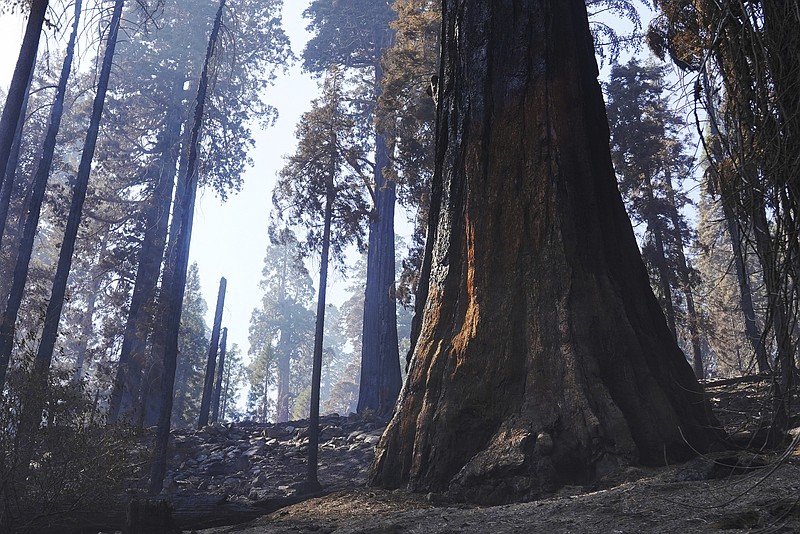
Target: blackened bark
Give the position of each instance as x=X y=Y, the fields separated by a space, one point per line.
x=223 y=345
x=177 y=263
x=150 y=386
x=380 y=359
x=53 y=314
x=128 y=378
x=319 y=333
x=12 y=110
x=10 y=176
x=21 y=266
x=211 y=361
x=543 y=357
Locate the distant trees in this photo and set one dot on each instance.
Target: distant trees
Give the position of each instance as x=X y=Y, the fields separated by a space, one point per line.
x=251 y=48
x=233 y=379
x=193 y=344
x=745 y=56
x=319 y=190
x=281 y=330
x=649 y=154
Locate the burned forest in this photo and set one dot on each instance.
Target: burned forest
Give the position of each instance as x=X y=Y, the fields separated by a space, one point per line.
x=435 y=266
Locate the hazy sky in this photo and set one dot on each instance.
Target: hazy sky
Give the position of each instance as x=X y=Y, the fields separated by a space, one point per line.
x=230 y=239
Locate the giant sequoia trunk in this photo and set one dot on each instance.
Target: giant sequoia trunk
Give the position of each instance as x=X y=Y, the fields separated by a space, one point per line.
x=380 y=358
x=543 y=356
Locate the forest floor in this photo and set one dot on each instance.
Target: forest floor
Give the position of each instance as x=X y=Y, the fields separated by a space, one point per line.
x=731 y=492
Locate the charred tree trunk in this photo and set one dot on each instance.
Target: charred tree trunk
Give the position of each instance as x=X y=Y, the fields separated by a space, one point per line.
x=319 y=333
x=223 y=345
x=751 y=328
x=778 y=314
x=128 y=379
x=380 y=359
x=25 y=251
x=178 y=263
x=211 y=362
x=10 y=176
x=12 y=110
x=543 y=357
x=150 y=385
x=223 y=410
x=729 y=210
x=53 y=314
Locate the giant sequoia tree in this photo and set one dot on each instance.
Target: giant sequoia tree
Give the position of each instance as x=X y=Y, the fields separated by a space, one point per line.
x=353 y=34
x=541 y=342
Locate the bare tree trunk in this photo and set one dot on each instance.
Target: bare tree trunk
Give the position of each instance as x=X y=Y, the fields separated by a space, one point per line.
x=53 y=314
x=316 y=372
x=211 y=362
x=12 y=111
x=22 y=264
x=543 y=357
x=778 y=315
x=34 y=401
x=150 y=384
x=284 y=372
x=220 y=371
x=177 y=263
x=751 y=329
x=226 y=386
x=128 y=379
x=10 y=176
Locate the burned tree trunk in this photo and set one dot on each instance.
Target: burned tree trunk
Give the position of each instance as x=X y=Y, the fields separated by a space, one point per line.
x=128 y=379
x=177 y=263
x=44 y=354
x=21 y=266
x=211 y=362
x=319 y=332
x=543 y=357
x=10 y=176
x=12 y=110
x=223 y=345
